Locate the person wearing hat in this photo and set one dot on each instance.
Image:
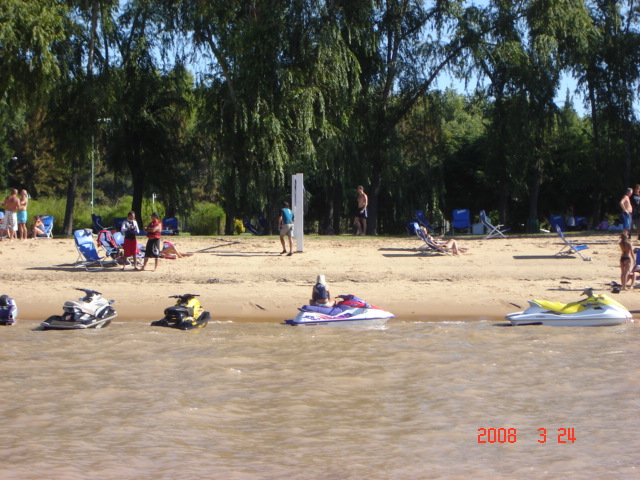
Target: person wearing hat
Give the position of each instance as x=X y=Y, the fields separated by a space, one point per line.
x=320 y=296
x=154 y=231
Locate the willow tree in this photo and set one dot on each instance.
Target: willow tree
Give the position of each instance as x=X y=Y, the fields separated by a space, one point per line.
x=522 y=54
x=402 y=48
x=151 y=111
x=608 y=73
x=29 y=31
x=267 y=74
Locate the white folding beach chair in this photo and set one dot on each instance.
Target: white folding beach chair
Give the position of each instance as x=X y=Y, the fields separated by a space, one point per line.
x=492 y=231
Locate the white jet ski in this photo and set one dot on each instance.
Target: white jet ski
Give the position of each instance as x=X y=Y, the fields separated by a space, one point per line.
x=350 y=311
x=90 y=311
x=593 y=311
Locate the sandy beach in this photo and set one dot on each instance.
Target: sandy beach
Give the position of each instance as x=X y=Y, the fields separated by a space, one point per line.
x=244 y=278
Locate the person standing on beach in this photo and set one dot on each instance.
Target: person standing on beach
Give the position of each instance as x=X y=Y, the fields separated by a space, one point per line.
x=626 y=260
x=361 y=215
x=635 y=204
x=627 y=210
x=22 y=215
x=11 y=205
x=129 y=230
x=154 y=232
x=285 y=225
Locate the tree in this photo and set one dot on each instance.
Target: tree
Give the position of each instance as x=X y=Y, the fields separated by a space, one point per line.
x=522 y=53
x=268 y=88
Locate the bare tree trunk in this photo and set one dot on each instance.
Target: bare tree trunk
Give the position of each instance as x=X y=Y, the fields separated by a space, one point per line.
x=374 y=198
x=337 y=202
x=67 y=227
x=533 y=225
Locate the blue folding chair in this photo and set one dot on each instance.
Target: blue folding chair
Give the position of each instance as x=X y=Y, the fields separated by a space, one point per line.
x=170 y=226
x=117 y=223
x=422 y=220
x=570 y=248
x=461 y=219
x=412 y=227
x=47 y=221
x=557 y=221
x=429 y=245
x=88 y=256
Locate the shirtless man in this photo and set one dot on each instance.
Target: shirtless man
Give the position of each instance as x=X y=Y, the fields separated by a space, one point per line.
x=22 y=215
x=361 y=215
x=627 y=210
x=11 y=205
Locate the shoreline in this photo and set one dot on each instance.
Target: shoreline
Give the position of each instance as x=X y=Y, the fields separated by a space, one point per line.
x=245 y=279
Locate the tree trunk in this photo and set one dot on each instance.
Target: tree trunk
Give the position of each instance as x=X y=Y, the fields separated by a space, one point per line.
x=595 y=127
x=337 y=201
x=503 y=199
x=533 y=225
x=374 y=197
x=136 y=200
x=67 y=227
x=230 y=221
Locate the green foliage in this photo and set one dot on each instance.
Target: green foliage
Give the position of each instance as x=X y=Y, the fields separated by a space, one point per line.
x=341 y=91
x=28 y=32
x=204 y=219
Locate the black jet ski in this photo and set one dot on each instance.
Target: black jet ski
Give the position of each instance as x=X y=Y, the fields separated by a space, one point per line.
x=90 y=311
x=186 y=314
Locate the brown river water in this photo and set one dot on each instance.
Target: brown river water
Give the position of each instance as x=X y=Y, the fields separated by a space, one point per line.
x=410 y=400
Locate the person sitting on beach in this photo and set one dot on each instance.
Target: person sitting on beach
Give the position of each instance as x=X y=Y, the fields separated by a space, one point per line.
x=450 y=244
x=38 y=227
x=169 y=250
x=635 y=271
x=320 y=296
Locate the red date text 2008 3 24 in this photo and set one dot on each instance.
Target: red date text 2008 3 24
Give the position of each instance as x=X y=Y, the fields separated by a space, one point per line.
x=510 y=435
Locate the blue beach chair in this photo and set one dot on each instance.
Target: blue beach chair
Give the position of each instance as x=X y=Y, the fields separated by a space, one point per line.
x=422 y=220
x=429 y=246
x=88 y=256
x=170 y=226
x=461 y=219
x=47 y=221
x=570 y=248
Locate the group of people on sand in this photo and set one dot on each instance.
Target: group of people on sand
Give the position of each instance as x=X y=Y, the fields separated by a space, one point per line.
x=155 y=248
x=629 y=259
x=13 y=222
x=286 y=219
x=629 y=263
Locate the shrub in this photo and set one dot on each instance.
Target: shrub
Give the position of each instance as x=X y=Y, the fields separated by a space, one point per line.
x=204 y=219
